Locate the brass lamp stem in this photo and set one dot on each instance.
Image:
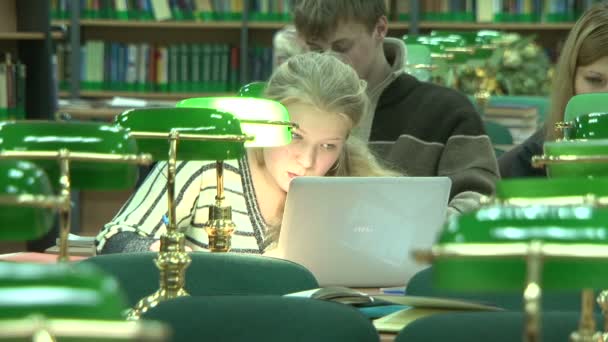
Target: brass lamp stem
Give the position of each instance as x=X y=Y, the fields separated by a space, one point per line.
x=533 y=292
x=219 y=226
x=65 y=212
x=586 y=327
x=172 y=259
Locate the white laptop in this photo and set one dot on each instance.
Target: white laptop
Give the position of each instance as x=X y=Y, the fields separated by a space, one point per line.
x=360 y=231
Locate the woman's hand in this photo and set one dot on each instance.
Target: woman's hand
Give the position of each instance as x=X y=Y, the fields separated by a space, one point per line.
x=155 y=247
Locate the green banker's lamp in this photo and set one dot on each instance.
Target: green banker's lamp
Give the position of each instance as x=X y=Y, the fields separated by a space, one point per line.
x=551 y=239
x=41 y=302
x=80 y=155
x=266 y=122
x=205 y=133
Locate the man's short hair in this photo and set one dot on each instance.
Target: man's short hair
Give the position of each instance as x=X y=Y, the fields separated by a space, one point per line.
x=317 y=19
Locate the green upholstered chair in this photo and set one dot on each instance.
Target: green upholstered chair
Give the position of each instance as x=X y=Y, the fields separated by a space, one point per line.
x=209 y=274
x=421 y=284
x=488 y=326
x=585 y=104
x=262 y=318
x=499 y=136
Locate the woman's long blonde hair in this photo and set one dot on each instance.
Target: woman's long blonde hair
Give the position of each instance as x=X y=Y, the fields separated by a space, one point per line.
x=322 y=80
x=325 y=82
x=586 y=43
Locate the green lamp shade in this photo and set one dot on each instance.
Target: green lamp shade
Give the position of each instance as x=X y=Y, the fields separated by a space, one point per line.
x=77 y=291
x=564 y=187
x=577 y=149
x=511 y=224
x=247 y=110
x=588 y=126
x=253 y=89
x=187 y=121
x=584 y=104
x=20 y=223
x=75 y=137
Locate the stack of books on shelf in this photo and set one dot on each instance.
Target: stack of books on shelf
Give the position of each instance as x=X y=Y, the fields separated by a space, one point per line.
x=521 y=120
x=144 y=67
x=12 y=89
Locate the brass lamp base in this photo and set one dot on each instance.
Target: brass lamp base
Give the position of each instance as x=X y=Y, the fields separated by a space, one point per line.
x=172 y=262
x=220 y=228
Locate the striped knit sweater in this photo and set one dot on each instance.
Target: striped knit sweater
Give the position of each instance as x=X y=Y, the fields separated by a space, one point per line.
x=140 y=221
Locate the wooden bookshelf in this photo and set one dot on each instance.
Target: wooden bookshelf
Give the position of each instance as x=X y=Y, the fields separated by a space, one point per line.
x=494 y=26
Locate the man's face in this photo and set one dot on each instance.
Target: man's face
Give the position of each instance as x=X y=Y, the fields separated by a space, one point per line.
x=353 y=41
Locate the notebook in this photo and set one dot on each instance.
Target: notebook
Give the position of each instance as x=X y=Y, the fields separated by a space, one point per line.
x=360 y=231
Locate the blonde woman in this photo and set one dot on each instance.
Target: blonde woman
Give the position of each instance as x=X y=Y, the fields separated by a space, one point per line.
x=582 y=68
x=325 y=97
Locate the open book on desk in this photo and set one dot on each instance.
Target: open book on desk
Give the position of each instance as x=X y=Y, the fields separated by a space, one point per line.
x=406 y=308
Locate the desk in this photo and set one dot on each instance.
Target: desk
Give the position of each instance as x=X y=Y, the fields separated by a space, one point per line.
x=384 y=337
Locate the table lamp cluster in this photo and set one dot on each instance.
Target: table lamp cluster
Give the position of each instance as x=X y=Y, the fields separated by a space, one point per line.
x=540 y=234
x=42 y=161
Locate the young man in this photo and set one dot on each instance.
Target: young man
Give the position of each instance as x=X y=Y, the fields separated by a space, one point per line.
x=432 y=130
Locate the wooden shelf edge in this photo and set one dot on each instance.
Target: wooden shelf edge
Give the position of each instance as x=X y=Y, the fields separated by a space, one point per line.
x=496 y=26
x=21 y=35
x=144 y=95
x=161 y=24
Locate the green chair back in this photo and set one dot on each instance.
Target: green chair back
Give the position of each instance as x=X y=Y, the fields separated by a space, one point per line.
x=499 y=135
x=489 y=326
x=78 y=291
x=585 y=104
x=246 y=110
x=76 y=137
x=209 y=274
x=253 y=89
x=418 y=61
x=186 y=121
x=262 y=318
x=20 y=223
x=422 y=284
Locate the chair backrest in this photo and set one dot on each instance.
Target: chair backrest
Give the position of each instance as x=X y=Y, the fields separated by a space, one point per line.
x=262 y=318
x=499 y=135
x=186 y=121
x=88 y=137
x=209 y=274
x=20 y=223
x=489 y=326
x=585 y=104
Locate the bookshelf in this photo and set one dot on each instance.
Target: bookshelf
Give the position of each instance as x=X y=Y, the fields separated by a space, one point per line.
x=25 y=34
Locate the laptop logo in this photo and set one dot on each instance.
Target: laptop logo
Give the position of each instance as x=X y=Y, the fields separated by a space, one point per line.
x=363 y=229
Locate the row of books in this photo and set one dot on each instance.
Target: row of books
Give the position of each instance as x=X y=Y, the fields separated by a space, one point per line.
x=12 y=89
x=205 y=10
x=280 y=10
x=504 y=10
x=173 y=68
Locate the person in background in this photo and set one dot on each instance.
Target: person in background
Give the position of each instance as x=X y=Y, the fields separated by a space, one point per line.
x=325 y=97
x=285 y=44
x=422 y=128
x=582 y=68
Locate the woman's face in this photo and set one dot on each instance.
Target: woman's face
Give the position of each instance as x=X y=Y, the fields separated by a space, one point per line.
x=315 y=147
x=592 y=78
